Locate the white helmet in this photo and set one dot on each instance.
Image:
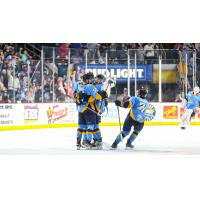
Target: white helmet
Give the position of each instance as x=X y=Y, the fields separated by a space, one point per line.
x=196 y=90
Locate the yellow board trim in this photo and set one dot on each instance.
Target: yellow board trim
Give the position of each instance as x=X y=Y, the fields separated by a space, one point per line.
x=44 y=126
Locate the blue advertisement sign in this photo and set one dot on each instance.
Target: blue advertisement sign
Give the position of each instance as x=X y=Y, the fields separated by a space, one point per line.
x=120 y=72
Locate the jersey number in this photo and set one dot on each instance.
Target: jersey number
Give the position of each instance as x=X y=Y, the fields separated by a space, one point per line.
x=142 y=107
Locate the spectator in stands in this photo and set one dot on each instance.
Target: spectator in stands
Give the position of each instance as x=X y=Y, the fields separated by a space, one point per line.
x=122 y=54
x=79 y=73
x=115 y=61
x=16 y=84
x=30 y=95
x=2 y=88
x=4 y=98
x=84 y=50
x=8 y=55
x=62 y=68
x=102 y=50
x=112 y=53
x=75 y=45
x=75 y=48
x=13 y=85
x=76 y=58
x=21 y=95
x=140 y=54
x=10 y=85
x=1 y=59
x=8 y=48
x=124 y=97
x=32 y=67
x=63 y=51
x=68 y=86
x=47 y=90
x=149 y=53
x=24 y=56
x=14 y=61
x=60 y=91
x=92 y=47
x=156 y=51
x=38 y=93
x=4 y=78
x=197 y=46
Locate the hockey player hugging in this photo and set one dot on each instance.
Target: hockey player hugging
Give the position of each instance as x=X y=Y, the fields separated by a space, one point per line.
x=90 y=99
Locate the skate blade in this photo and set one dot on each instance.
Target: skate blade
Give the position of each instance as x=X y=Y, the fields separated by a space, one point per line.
x=96 y=148
x=129 y=148
x=113 y=149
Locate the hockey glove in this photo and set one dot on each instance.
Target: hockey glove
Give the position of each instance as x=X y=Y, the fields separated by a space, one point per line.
x=118 y=103
x=78 y=99
x=103 y=94
x=105 y=103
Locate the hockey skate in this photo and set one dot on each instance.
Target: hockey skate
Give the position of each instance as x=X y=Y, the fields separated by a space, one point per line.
x=88 y=145
x=114 y=146
x=78 y=146
x=83 y=144
x=129 y=145
x=97 y=144
x=183 y=127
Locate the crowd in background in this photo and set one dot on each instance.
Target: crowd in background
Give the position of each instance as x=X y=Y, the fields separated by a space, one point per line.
x=21 y=74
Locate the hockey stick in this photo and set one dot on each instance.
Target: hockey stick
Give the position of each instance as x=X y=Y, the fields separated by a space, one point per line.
x=118 y=112
x=93 y=111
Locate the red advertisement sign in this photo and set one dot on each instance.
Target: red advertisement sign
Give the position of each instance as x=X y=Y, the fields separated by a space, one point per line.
x=170 y=112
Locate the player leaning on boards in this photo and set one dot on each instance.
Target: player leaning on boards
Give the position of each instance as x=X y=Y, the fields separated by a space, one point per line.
x=86 y=97
x=139 y=107
x=191 y=106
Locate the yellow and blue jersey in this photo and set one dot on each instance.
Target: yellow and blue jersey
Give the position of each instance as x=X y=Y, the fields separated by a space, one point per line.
x=92 y=92
x=99 y=103
x=138 y=108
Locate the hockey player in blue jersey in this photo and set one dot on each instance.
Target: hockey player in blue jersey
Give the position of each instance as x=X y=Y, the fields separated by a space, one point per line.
x=191 y=103
x=100 y=107
x=135 y=118
x=87 y=113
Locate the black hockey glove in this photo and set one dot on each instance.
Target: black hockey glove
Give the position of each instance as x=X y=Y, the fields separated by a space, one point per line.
x=105 y=103
x=118 y=103
x=103 y=94
x=85 y=97
x=81 y=97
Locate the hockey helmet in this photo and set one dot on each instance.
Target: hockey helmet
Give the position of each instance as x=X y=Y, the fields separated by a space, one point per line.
x=88 y=76
x=100 y=76
x=142 y=92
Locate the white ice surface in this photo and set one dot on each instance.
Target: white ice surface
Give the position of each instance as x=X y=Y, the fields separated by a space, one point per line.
x=156 y=140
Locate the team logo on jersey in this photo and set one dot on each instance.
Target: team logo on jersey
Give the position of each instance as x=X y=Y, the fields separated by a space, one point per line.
x=150 y=113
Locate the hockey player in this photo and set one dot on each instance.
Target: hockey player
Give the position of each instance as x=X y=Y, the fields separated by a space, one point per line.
x=78 y=88
x=87 y=117
x=100 y=108
x=191 y=104
x=135 y=118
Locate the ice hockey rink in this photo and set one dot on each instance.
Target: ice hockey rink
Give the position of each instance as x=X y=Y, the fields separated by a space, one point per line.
x=154 y=140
